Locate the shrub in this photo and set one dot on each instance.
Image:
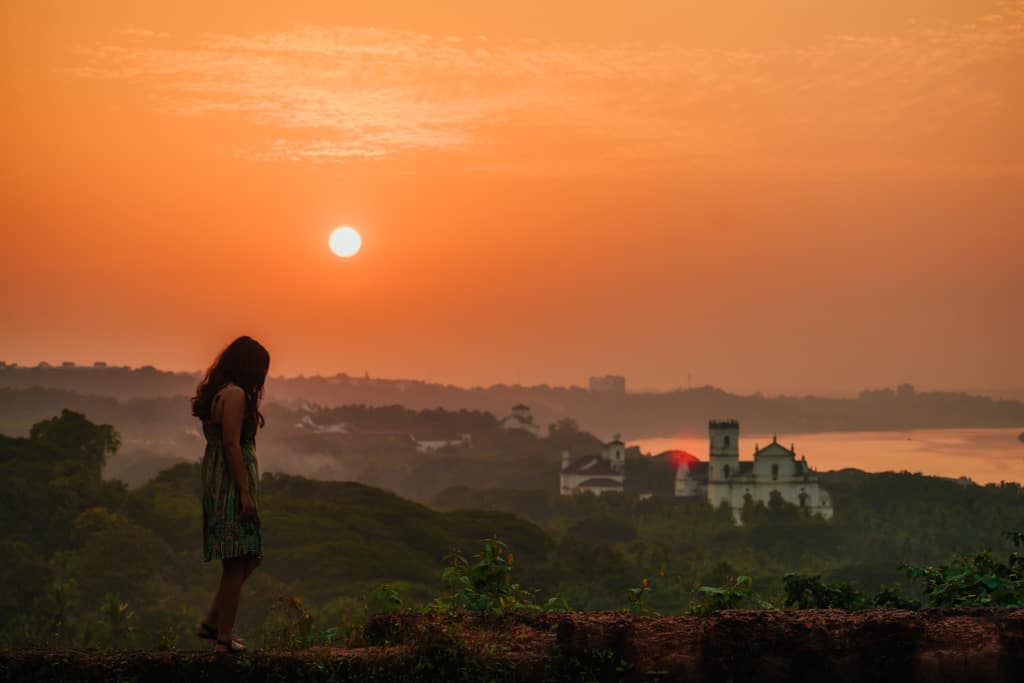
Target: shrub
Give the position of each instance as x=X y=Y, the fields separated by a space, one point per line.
x=288 y=625
x=637 y=598
x=718 y=598
x=978 y=580
x=484 y=583
x=808 y=591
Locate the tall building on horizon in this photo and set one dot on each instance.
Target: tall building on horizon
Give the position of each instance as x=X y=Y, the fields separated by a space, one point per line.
x=609 y=384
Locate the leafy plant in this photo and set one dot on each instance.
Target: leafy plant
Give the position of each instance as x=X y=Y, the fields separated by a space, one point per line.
x=385 y=598
x=484 y=583
x=808 y=591
x=117 y=618
x=891 y=597
x=978 y=580
x=288 y=625
x=555 y=603
x=637 y=598
x=718 y=598
x=168 y=639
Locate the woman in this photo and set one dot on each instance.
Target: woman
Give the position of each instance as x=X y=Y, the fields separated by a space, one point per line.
x=227 y=401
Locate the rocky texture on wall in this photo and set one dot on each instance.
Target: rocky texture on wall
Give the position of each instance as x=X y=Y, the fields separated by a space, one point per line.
x=811 y=645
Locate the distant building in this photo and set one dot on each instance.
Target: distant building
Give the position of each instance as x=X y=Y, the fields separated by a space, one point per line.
x=68 y=364
x=100 y=364
x=601 y=473
x=521 y=419
x=609 y=384
x=430 y=442
x=307 y=423
x=774 y=475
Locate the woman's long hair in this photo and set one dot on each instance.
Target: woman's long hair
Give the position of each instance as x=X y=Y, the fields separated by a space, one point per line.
x=244 y=362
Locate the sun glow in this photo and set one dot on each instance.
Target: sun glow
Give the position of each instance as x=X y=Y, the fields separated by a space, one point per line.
x=345 y=242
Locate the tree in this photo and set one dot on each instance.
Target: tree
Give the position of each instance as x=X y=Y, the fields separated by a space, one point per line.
x=72 y=432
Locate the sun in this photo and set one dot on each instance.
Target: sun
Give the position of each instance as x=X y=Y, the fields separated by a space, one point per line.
x=345 y=242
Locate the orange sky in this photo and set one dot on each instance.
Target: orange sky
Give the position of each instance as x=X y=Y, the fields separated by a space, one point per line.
x=766 y=196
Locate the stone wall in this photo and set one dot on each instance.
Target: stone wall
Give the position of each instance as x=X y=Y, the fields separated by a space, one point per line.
x=811 y=645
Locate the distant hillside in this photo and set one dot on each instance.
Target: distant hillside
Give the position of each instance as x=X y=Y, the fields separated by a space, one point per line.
x=637 y=415
x=71 y=542
x=372 y=445
x=329 y=534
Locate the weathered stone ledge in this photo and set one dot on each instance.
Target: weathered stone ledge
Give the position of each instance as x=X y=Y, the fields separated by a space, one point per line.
x=812 y=645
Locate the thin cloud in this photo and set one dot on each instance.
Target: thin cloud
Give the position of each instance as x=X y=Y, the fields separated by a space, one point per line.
x=335 y=93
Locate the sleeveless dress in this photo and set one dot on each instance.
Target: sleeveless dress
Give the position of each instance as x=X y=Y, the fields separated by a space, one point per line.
x=224 y=534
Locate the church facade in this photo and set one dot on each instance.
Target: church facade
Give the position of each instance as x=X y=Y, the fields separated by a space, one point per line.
x=521 y=419
x=774 y=475
x=604 y=472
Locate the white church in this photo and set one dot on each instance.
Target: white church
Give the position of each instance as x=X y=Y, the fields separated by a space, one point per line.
x=521 y=419
x=601 y=473
x=775 y=473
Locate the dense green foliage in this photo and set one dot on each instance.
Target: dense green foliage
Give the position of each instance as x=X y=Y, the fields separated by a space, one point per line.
x=804 y=591
x=977 y=579
x=607 y=544
x=89 y=562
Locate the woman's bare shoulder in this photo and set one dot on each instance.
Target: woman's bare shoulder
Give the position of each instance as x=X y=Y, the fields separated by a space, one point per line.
x=232 y=394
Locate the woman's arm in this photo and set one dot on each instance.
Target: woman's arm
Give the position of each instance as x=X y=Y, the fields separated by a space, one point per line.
x=231 y=436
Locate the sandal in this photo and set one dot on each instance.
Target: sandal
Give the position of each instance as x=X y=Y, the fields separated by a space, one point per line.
x=207 y=632
x=232 y=646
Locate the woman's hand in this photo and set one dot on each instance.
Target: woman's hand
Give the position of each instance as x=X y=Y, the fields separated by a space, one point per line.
x=248 y=512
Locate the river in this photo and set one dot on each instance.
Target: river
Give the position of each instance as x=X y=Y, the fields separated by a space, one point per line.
x=984 y=455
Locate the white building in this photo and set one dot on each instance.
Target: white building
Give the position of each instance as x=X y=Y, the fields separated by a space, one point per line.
x=602 y=473
x=428 y=443
x=521 y=419
x=775 y=474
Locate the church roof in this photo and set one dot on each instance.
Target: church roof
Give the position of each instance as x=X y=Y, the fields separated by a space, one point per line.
x=591 y=464
x=600 y=482
x=774 y=448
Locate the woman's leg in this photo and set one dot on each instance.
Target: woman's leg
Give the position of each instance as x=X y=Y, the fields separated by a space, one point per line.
x=214 y=612
x=228 y=596
x=251 y=562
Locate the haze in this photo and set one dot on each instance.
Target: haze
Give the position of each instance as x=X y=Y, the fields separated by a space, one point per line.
x=787 y=196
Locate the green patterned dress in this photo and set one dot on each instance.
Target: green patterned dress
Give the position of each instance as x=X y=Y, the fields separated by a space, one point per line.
x=224 y=534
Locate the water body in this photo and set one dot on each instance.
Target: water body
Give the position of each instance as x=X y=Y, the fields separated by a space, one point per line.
x=984 y=455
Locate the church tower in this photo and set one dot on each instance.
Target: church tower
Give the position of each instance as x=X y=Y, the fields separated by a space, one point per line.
x=723 y=462
x=615 y=454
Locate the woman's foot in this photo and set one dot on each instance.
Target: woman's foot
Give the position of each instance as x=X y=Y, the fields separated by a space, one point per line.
x=207 y=632
x=229 y=647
